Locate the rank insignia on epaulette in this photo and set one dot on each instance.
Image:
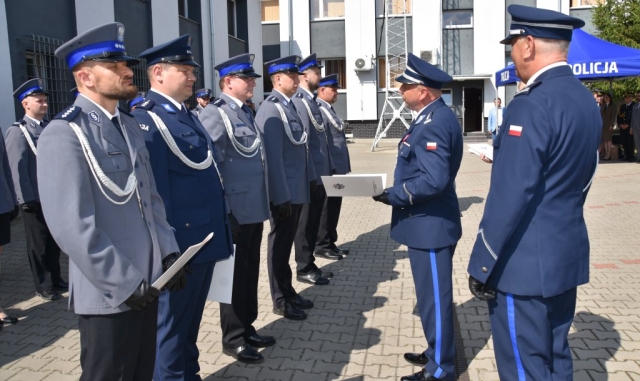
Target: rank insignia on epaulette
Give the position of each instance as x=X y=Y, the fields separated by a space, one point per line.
x=168 y=108
x=298 y=95
x=431 y=146
x=145 y=103
x=219 y=102
x=273 y=99
x=515 y=130
x=93 y=115
x=233 y=105
x=428 y=119
x=69 y=113
x=144 y=127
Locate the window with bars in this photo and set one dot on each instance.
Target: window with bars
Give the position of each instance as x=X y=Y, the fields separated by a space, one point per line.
x=337 y=66
x=270 y=10
x=324 y=9
x=397 y=7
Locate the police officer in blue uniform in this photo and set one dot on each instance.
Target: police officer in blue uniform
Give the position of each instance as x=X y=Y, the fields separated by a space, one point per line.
x=311 y=117
x=230 y=123
x=187 y=177
x=137 y=100
x=22 y=142
x=100 y=201
x=532 y=249
x=203 y=96
x=426 y=215
x=290 y=178
x=328 y=231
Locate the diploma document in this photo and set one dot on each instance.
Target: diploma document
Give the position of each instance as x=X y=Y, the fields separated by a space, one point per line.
x=354 y=185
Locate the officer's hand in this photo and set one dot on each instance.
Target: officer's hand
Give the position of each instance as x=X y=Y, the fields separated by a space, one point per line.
x=30 y=207
x=484 y=158
x=334 y=172
x=313 y=185
x=481 y=290
x=235 y=227
x=142 y=297
x=383 y=198
x=14 y=213
x=179 y=281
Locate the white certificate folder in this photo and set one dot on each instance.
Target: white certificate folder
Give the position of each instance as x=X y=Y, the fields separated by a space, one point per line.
x=354 y=185
x=180 y=263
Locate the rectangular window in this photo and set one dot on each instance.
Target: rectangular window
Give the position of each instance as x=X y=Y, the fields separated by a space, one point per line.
x=585 y=3
x=457 y=19
x=231 y=18
x=182 y=8
x=397 y=68
x=270 y=10
x=337 y=66
x=396 y=7
x=447 y=97
x=325 y=9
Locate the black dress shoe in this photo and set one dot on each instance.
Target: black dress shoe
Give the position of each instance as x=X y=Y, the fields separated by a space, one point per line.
x=259 y=341
x=329 y=254
x=8 y=320
x=301 y=302
x=312 y=277
x=62 y=286
x=418 y=359
x=291 y=312
x=48 y=295
x=244 y=353
x=325 y=274
x=340 y=250
x=420 y=376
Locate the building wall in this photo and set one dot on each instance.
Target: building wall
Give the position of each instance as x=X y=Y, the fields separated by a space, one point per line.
x=328 y=38
x=136 y=17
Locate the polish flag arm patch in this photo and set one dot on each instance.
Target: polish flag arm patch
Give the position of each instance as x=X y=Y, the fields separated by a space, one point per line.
x=515 y=130
x=431 y=146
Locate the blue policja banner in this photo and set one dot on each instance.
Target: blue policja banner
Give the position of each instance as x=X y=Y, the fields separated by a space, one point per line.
x=591 y=59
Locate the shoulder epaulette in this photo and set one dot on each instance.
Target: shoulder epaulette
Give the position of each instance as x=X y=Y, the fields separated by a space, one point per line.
x=299 y=95
x=219 y=102
x=528 y=89
x=124 y=112
x=147 y=104
x=18 y=123
x=273 y=99
x=69 y=113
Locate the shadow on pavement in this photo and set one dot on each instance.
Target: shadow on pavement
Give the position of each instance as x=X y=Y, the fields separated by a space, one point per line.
x=466 y=202
x=320 y=347
x=595 y=341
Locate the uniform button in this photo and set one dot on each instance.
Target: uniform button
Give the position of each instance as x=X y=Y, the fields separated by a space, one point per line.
x=141 y=184
x=108 y=295
x=187 y=224
x=190 y=146
x=145 y=204
x=484 y=270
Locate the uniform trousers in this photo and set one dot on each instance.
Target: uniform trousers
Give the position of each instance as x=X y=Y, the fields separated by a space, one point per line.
x=280 y=242
x=530 y=336
x=118 y=346
x=307 y=232
x=42 y=250
x=627 y=143
x=237 y=318
x=328 y=231
x=636 y=139
x=431 y=269
x=179 y=316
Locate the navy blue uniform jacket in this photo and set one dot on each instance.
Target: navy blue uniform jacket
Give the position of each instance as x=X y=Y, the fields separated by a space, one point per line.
x=533 y=239
x=194 y=199
x=425 y=213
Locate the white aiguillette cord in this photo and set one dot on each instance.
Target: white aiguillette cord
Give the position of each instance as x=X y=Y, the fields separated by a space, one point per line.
x=247 y=152
x=287 y=128
x=166 y=135
x=27 y=136
x=333 y=121
x=101 y=178
x=319 y=127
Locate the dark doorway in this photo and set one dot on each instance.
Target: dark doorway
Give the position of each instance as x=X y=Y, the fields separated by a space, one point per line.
x=472 y=103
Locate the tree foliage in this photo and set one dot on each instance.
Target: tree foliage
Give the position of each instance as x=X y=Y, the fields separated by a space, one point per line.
x=618 y=21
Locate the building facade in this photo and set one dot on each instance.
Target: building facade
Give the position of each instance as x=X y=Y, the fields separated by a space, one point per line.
x=460 y=36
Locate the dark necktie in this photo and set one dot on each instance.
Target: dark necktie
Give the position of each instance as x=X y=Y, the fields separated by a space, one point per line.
x=41 y=124
x=248 y=113
x=116 y=123
x=292 y=107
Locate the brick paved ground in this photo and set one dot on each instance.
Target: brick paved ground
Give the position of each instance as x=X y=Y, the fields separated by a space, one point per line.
x=365 y=320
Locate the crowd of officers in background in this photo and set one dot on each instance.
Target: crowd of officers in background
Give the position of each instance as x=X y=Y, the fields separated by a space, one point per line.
x=124 y=193
x=626 y=119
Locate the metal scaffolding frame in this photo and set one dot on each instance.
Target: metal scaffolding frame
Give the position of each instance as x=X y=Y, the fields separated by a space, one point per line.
x=395 y=31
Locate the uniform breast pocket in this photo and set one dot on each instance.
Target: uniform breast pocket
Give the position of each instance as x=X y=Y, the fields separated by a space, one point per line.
x=404 y=152
x=243 y=132
x=188 y=141
x=318 y=118
x=295 y=126
x=114 y=162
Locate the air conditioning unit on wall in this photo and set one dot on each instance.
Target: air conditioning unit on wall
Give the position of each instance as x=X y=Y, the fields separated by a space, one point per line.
x=430 y=56
x=364 y=63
